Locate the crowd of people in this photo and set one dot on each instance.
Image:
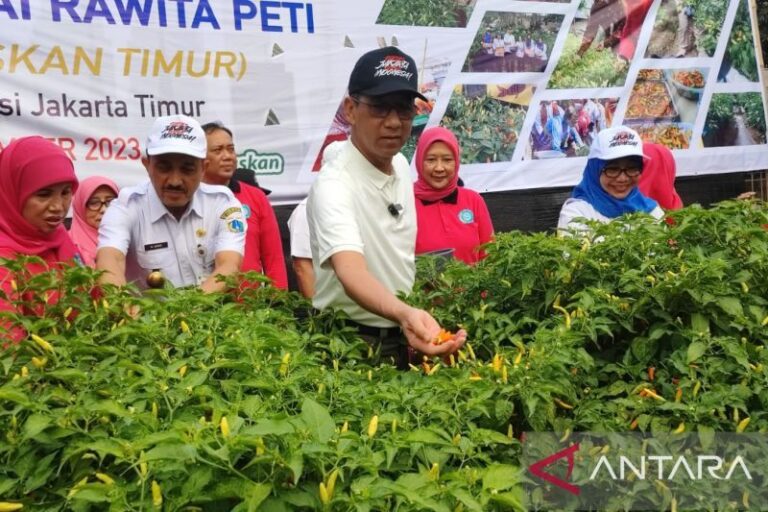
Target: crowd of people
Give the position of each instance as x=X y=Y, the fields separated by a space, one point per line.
x=566 y=127
x=354 y=240
x=516 y=51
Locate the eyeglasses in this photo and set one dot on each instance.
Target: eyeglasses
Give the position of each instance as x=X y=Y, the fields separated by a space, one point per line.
x=405 y=111
x=96 y=204
x=630 y=172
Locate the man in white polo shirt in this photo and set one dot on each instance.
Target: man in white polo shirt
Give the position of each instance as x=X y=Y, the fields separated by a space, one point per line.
x=173 y=224
x=362 y=217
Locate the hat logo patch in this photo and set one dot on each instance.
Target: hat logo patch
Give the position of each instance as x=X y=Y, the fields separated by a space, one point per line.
x=623 y=139
x=178 y=130
x=393 y=65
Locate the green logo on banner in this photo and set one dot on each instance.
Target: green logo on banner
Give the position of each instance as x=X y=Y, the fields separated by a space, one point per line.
x=261 y=163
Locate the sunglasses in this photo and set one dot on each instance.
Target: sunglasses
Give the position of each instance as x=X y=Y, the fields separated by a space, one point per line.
x=405 y=111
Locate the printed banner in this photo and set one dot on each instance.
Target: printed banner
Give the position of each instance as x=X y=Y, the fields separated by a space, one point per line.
x=524 y=84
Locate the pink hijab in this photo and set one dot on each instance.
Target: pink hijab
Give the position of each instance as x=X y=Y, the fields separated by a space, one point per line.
x=421 y=188
x=658 y=178
x=27 y=165
x=85 y=236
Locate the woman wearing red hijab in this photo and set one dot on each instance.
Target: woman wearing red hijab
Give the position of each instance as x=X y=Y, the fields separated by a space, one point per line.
x=658 y=178
x=88 y=206
x=37 y=181
x=449 y=217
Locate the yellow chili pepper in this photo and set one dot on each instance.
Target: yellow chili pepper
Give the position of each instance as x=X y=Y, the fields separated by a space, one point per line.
x=39 y=362
x=154 y=409
x=183 y=370
x=77 y=487
x=498 y=362
x=224 y=426
x=647 y=392
x=330 y=484
x=345 y=427
x=325 y=498
x=566 y=315
x=287 y=359
x=157 y=494
x=434 y=471
x=105 y=478
x=373 y=426
x=471 y=351
x=8 y=506
x=678 y=395
x=564 y=405
x=24 y=371
x=42 y=343
x=742 y=425
x=680 y=428
x=184 y=327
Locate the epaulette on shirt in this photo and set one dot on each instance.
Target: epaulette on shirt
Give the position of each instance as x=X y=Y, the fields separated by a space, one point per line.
x=216 y=189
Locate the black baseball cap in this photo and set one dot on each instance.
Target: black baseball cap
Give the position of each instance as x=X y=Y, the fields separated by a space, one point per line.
x=384 y=71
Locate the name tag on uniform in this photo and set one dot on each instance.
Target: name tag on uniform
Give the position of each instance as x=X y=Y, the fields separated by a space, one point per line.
x=154 y=247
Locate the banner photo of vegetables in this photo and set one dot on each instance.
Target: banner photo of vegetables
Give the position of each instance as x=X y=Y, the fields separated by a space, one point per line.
x=429 y=13
x=487 y=120
x=740 y=60
x=735 y=120
x=686 y=28
x=510 y=42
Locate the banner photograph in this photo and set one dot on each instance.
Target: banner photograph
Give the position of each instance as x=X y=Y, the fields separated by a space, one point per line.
x=525 y=85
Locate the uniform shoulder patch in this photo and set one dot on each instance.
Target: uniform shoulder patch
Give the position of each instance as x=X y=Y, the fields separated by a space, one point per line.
x=236 y=225
x=229 y=211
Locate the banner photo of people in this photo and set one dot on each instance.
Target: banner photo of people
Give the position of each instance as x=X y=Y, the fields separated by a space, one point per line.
x=525 y=85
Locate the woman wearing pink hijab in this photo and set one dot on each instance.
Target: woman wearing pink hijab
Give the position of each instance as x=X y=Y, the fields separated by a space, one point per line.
x=658 y=178
x=88 y=206
x=450 y=218
x=37 y=181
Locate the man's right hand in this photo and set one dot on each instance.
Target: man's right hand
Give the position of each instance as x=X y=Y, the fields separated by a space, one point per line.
x=421 y=330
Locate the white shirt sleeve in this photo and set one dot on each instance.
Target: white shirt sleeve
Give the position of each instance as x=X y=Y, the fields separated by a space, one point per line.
x=298 y=226
x=332 y=220
x=115 y=227
x=231 y=226
x=573 y=209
